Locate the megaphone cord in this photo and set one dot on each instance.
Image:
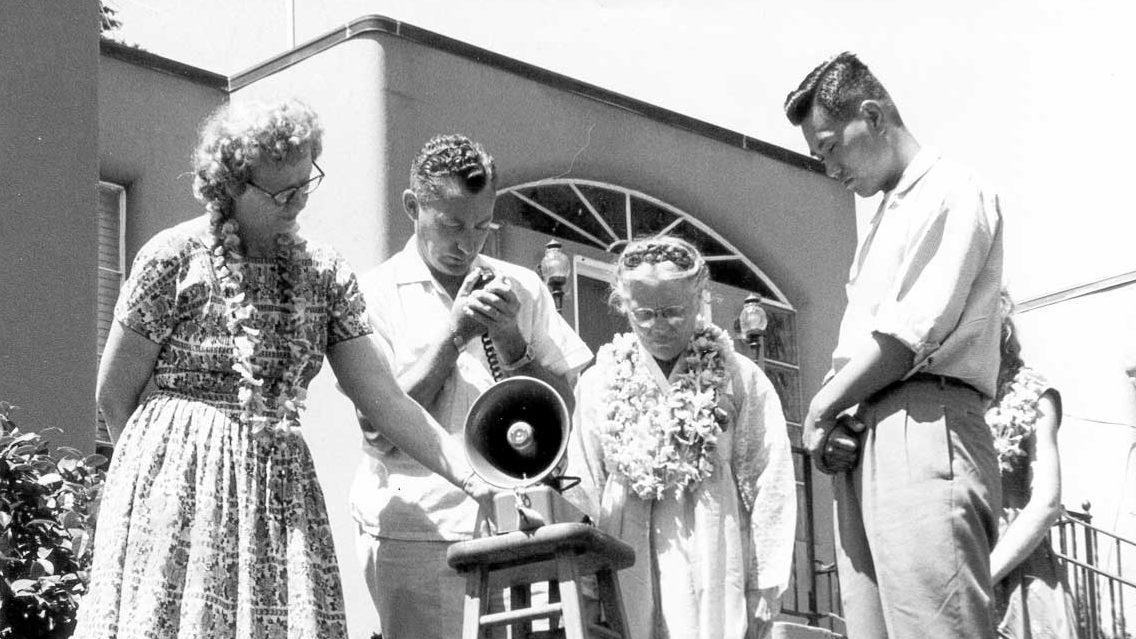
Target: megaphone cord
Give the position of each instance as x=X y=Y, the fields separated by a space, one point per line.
x=491 y=357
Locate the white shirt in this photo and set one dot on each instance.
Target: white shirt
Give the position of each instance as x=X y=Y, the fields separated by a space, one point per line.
x=393 y=495
x=928 y=272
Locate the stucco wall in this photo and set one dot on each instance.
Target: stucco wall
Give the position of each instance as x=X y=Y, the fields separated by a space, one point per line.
x=49 y=146
x=797 y=226
x=148 y=123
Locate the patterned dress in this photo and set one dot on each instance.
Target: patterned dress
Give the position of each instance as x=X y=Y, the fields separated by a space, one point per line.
x=1033 y=600
x=205 y=530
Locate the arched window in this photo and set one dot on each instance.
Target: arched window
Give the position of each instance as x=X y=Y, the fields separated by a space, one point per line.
x=605 y=216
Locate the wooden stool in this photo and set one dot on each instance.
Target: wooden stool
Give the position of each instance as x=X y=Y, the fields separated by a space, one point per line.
x=560 y=553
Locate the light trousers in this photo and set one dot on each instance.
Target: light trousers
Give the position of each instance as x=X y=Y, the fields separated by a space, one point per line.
x=916 y=519
x=416 y=593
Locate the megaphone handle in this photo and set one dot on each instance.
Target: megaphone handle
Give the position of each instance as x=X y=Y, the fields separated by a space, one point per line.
x=491 y=357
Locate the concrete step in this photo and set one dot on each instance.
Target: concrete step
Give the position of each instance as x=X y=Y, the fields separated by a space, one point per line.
x=790 y=630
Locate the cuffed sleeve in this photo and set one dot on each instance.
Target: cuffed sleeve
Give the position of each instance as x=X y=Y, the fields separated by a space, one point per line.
x=147 y=303
x=347 y=309
x=937 y=273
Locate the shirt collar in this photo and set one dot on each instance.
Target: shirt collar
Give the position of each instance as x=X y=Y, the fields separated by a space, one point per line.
x=412 y=269
x=920 y=164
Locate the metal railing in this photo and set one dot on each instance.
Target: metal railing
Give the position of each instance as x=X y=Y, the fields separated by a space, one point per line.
x=1094 y=559
x=813 y=594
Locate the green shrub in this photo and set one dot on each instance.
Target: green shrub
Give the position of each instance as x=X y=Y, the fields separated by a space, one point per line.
x=48 y=498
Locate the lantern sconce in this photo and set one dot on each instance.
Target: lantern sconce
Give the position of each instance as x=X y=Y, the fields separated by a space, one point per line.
x=751 y=324
x=554 y=269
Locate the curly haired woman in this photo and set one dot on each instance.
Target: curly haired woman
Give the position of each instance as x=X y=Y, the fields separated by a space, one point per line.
x=213 y=523
x=1031 y=595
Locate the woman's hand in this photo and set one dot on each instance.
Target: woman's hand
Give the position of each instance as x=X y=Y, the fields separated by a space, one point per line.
x=127 y=364
x=480 y=491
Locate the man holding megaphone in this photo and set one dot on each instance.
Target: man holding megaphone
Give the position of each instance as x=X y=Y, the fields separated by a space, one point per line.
x=451 y=322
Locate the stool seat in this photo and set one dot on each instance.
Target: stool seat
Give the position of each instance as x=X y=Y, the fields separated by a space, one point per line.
x=559 y=553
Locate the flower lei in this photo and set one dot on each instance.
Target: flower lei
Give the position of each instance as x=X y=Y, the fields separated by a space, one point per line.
x=658 y=440
x=1014 y=415
x=242 y=323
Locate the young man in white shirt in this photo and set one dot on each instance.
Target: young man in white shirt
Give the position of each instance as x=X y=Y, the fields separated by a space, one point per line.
x=430 y=309
x=917 y=358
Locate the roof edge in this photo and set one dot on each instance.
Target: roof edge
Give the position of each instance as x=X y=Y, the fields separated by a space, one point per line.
x=389 y=26
x=140 y=57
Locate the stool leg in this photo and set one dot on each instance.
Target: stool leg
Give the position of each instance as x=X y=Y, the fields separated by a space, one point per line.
x=519 y=597
x=476 y=602
x=568 y=575
x=554 y=597
x=612 y=602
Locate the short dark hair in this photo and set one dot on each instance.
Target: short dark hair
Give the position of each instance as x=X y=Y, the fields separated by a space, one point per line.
x=451 y=156
x=838 y=85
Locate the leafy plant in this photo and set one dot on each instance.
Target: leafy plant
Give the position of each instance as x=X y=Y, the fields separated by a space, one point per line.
x=108 y=19
x=47 y=504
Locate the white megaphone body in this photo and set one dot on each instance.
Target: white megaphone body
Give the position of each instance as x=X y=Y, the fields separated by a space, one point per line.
x=516 y=438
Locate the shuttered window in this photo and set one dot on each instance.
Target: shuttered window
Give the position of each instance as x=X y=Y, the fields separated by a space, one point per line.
x=111 y=266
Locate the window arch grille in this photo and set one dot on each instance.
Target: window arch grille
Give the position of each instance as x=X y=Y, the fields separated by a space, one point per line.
x=608 y=216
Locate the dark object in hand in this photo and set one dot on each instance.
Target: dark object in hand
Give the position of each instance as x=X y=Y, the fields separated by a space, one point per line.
x=484 y=277
x=840 y=451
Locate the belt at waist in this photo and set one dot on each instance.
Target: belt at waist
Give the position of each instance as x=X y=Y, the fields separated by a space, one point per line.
x=942 y=380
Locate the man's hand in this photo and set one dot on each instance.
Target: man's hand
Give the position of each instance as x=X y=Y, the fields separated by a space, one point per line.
x=496 y=307
x=464 y=320
x=815 y=429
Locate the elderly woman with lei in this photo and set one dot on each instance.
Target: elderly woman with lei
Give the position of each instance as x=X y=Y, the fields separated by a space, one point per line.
x=213 y=523
x=682 y=451
x=1032 y=597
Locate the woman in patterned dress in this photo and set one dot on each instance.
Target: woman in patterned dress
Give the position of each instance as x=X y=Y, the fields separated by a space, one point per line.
x=213 y=524
x=682 y=451
x=1032 y=597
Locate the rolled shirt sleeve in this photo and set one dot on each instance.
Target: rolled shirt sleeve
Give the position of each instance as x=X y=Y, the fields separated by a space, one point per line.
x=944 y=258
x=929 y=273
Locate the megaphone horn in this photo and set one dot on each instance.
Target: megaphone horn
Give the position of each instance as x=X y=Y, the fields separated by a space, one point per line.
x=516 y=432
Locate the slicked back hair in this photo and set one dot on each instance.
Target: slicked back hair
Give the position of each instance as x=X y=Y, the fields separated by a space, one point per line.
x=451 y=157
x=838 y=85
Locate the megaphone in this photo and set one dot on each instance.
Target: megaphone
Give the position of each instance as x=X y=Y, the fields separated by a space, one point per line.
x=516 y=438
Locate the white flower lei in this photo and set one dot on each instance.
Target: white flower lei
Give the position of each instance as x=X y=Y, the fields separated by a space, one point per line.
x=228 y=262
x=661 y=441
x=1014 y=415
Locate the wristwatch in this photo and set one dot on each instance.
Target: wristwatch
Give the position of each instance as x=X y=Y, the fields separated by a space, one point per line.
x=457 y=341
x=521 y=361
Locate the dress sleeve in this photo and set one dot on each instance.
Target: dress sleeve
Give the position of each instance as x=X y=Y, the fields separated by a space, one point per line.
x=585 y=453
x=763 y=469
x=347 y=311
x=147 y=303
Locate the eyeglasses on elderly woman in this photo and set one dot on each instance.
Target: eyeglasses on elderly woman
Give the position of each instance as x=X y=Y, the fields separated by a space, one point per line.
x=285 y=195
x=645 y=317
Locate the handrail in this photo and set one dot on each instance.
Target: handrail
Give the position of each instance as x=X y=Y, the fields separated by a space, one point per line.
x=1103 y=573
x=1099 y=591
